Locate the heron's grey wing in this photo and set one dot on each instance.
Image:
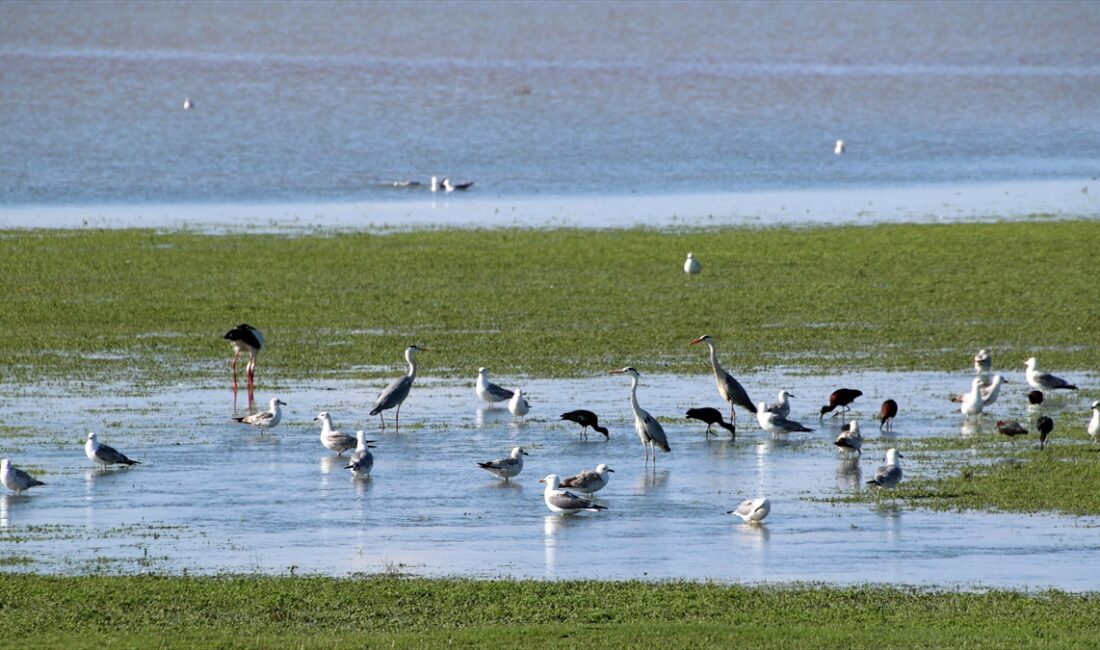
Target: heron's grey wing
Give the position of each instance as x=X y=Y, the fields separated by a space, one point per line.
x=569 y=501
x=110 y=456
x=738 y=394
x=498 y=393
x=582 y=480
x=656 y=432
x=393 y=395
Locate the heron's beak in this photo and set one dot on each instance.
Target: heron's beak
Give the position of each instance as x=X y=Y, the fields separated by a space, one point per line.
x=696 y=341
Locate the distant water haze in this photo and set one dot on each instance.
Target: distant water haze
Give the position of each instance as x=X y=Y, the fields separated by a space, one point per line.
x=333 y=101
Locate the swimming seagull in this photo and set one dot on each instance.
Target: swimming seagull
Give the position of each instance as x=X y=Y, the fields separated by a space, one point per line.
x=105 y=455
x=451 y=187
x=398 y=390
x=435 y=184
x=1045 y=425
x=563 y=501
x=1040 y=380
x=649 y=430
x=838 y=149
x=362 y=461
x=586 y=419
x=711 y=416
x=889 y=475
x=488 y=391
x=268 y=419
x=753 y=511
x=691 y=265
x=777 y=424
x=782 y=406
x=841 y=398
x=187 y=104
x=1094 y=423
x=850 y=439
x=972 y=403
x=518 y=406
x=245 y=338
x=729 y=388
x=508 y=467
x=332 y=439
x=886 y=413
x=588 y=481
x=406 y=183
x=17 y=480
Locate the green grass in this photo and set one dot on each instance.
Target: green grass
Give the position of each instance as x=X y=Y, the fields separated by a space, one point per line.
x=285 y=612
x=117 y=304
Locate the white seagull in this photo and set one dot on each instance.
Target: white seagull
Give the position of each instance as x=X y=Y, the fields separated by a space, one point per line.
x=783 y=405
x=265 y=420
x=753 y=511
x=1094 y=423
x=105 y=455
x=362 y=461
x=333 y=439
x=972 y=403
x=839 y=147
x=889 y=475
x=587 y=481
x=988 y=394
x=489 y=392
x=649 y=430
x=16 y=479
x=508 y=467
x=518 y=406
x=564 y=501
x=983 y=362
x=691 y=265
x=850 y=439
x=398 y=390
x=435 y=184
x=451 y=187
x=187 y=104
x=1040 y=380
x=777 y=424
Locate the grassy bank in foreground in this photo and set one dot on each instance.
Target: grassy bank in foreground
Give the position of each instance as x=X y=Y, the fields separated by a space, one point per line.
x=375 y=612
x=549 y=303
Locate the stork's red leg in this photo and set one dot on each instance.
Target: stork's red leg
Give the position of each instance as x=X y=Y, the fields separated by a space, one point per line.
x=235 y=356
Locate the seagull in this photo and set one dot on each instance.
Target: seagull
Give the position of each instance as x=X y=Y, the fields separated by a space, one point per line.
x=1094 y=423
x=849 y=439
x=1045 y=425
x=988 y=393
x=983 y=363
x=362 y=461
x=729 y=388
x=268 y=419
x=398 y=390
x=488 y=391
x=332 y=439
x=649 y=430
x=518 y=406
x=105 y=455
x=17 y=480
x=838 y=149
x=711 y=416
x=691 y=265
x=782 y=406
x=886 y=414
x=435 y=184
x=586 y=419
x=245 y=338
x=506 y=468
x=753 y=511
x=589 y=482
x=775 y=423
x=187 y=104
x=406 y=183
x=1011 y=428
x=451 y=187
x=889 y=475
x=840 y=398
x=1040 y=380
x=972 y=403
x=563 y=501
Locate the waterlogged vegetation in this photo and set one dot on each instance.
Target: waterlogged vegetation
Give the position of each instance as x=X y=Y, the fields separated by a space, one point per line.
x=143 y=304
x=284 y=612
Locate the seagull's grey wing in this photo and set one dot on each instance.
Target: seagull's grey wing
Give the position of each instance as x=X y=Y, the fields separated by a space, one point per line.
x=888 y=475
x=582 y=480
x=339 y=439
x=569 y=501
x=111 y=456
x=393 y=395
x=778 y=409
x=745 y=509
x=789 y=425
x=361 y=461
x=498 y=393
x=1047 y=380
x=499 y=463
x=25 y=479
x=260 y=419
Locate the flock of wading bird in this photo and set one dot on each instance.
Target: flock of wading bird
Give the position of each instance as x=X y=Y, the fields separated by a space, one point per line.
x=561 y=496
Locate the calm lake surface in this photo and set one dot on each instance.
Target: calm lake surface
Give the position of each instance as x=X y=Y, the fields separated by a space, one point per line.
x=331 y=102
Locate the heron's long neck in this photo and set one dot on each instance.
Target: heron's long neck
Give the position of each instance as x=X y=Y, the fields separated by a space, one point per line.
x=714 y=359
x=634 y=397
x=410 y=357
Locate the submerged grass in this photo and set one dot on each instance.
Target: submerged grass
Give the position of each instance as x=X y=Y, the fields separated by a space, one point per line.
x=288 y=612
x=94 y=304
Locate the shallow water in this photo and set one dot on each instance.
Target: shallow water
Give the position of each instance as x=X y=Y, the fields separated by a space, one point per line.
x=213 y=496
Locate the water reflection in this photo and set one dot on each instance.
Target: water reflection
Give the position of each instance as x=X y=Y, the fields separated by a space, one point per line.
x=849 y=474
x=970 y=427
x=650 y=480
x=333 y=462
x=487 y=416
x=7 y=503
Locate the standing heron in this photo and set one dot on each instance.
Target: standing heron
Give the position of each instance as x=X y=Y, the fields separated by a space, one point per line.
x=245 y=338
x=729 y=388
x=650 y=431
x=397 y=391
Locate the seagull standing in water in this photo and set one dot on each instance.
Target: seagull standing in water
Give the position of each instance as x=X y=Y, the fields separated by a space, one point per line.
x=518 y=406
x=649 y=430
x=489 y=392
x=362 y=461
x=398 y=390
x=1040 y=380
x=588 y=481
x=508 y=467
x=435 y=184
x=729 y=388
x=332 y=439
x=782 y=406
x=777 y=424
x=972 y=403
x=17 y=480
x=265 y=420
x=563 y=501
x=753 y=511
x=451 y=187
x=245 y=338
x=889 y=475
x=838 y=148
x=105 y=455
x=850 y=439
x=691 y=265
x=1094 y=423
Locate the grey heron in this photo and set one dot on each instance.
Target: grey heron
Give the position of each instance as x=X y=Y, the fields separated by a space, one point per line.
x=729 y=388
x=394 y=394
x=649 y=430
